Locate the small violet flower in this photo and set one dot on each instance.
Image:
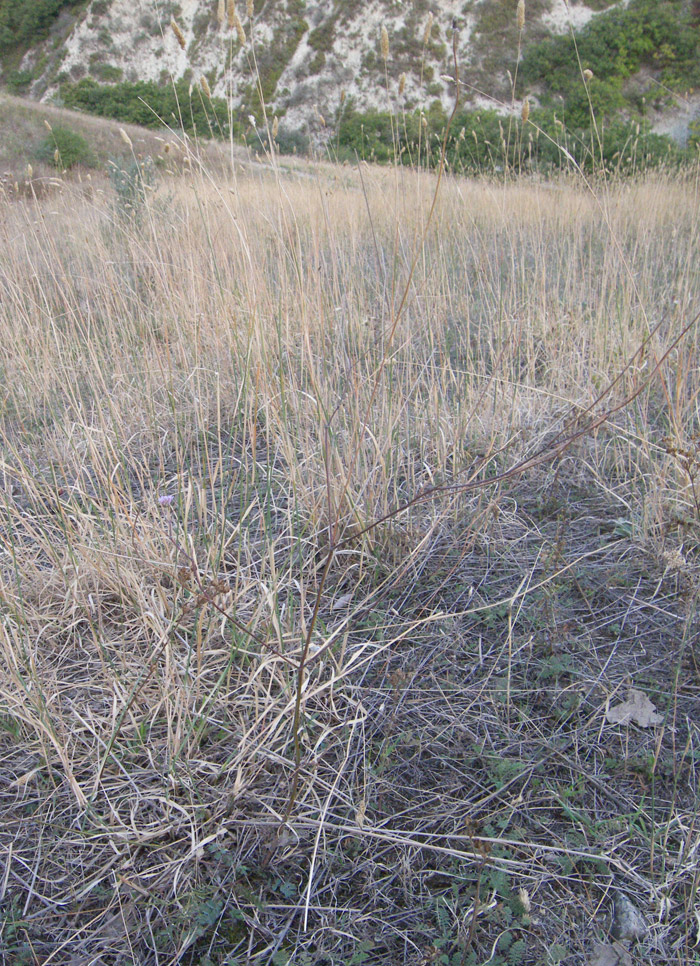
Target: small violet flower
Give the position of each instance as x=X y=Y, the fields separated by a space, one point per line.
x=167 y=499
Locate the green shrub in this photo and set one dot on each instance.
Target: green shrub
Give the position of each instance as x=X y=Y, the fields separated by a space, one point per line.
x=151 y=105
x=64 y=148
x=657 y=34
x=24 y=22
x=131 y=182
x=19 y=80
x=481 y=141
x=107 y=72
x=273 y=57
x=289 y=141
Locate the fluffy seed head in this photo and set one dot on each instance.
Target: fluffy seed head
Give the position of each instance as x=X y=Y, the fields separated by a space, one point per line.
x=322 y=120
x=125 y=137
x=521 y=14
x=275 y=127
x=525 y=111
x=221 y=13
x=587 y=74
x=428 y=29
x=231 y=12
x=385 y=43
x=205 y=86
x=48 y=126
x=239 y=27
x=249 y=9
x=30 y=171
x=402 y=84
x=174 y=26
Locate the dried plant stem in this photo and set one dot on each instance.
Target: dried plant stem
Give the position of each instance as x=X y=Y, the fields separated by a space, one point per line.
x=331 y=550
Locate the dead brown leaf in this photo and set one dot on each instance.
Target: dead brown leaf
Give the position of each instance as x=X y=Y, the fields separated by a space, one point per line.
x=605 y=954
x=637 y=709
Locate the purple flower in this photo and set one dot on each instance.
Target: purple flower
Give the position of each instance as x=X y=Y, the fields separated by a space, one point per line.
x=167 y=499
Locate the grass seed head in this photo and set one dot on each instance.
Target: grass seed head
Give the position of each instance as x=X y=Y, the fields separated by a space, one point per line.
x=125 y=137
x=180 y=37
x=587 y=75
x=402 y=84
x=221 y=13
x=205 y=86
x=521 y=14
x=525 y=111
x=239 y=27
x=275 y=127
x=250 y=9
x=231 y=13
x=385 y=44
x=428 y=29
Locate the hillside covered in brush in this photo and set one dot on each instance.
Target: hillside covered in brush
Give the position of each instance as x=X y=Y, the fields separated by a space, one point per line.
x=319 y=67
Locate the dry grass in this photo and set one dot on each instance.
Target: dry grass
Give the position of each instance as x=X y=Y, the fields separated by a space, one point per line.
x=199 y=399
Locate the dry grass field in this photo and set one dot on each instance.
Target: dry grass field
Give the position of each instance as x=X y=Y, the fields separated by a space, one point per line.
x=332 y=535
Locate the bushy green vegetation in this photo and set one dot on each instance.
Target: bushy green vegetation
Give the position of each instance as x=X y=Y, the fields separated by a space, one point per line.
x=487 y=141
x=320 y=40
x=19 y=80
x=152 y=105
x=478 y=140
x=131 y=182
x=24 y=22
x=64 y=148
x=272 y=58
x=661 y=35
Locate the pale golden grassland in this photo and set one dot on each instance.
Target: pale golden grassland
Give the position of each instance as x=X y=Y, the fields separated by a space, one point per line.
x=200 y=401
x=25 y=124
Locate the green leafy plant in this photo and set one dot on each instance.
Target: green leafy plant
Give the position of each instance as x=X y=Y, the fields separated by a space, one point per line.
x=153 y=105
x=131 y=183
x=65 y=148
x=28 y=21
x=657 y=34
